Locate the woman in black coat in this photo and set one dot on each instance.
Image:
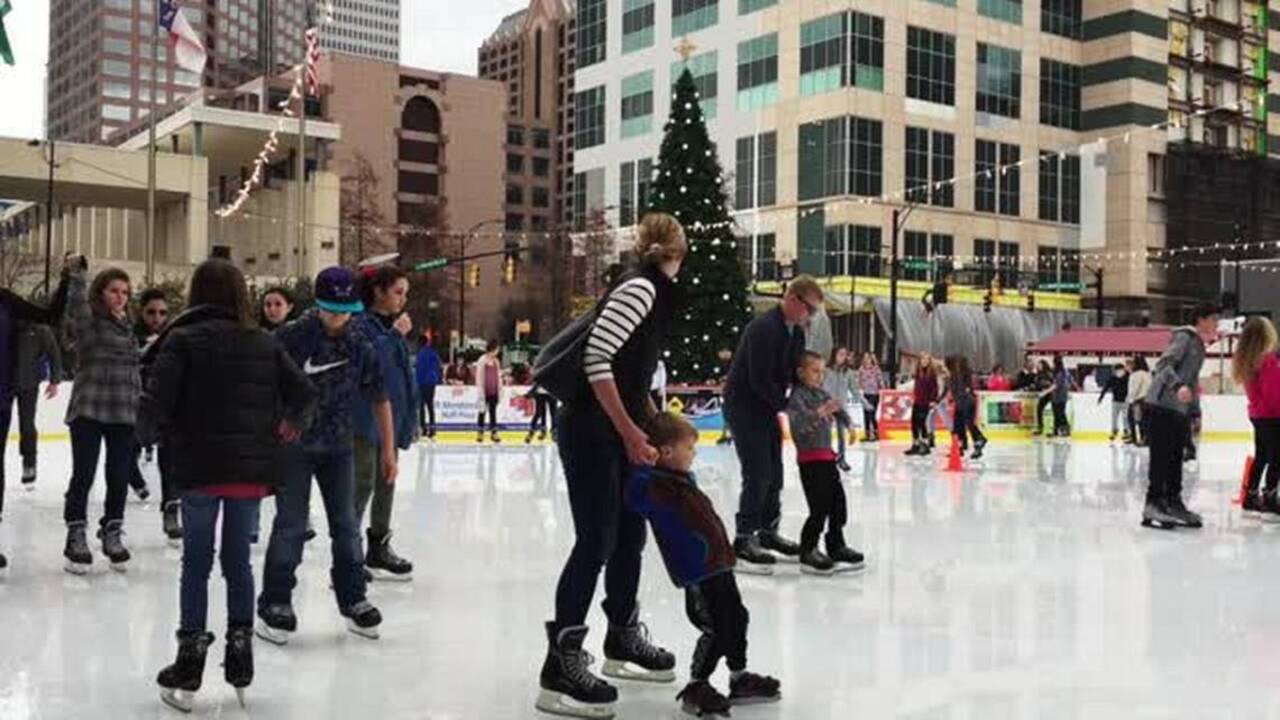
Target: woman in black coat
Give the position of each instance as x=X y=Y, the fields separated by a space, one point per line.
x=226 y=397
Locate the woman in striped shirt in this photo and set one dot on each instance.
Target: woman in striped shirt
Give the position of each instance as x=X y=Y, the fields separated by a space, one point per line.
x=600 y=435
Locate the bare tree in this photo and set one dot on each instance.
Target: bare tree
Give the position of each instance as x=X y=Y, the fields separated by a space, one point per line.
x=18 y=268
x=360 y=213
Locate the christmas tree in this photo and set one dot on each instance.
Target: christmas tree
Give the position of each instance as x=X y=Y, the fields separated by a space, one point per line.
x=688 y=184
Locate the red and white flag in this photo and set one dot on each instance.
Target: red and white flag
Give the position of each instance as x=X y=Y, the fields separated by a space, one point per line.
x=313 y=58
x=183 y=40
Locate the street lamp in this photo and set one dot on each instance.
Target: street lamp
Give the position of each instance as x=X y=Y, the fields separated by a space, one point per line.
x=48 y=219
x=900 y=216
x=462 y=274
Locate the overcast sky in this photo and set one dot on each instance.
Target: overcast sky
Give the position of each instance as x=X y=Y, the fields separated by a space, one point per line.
x=434 y=34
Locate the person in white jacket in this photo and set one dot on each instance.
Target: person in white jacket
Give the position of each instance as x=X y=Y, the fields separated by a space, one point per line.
x=1139 y=384
x=488 y=379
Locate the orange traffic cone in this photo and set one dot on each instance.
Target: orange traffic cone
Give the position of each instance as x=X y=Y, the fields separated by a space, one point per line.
x=954 y=463
x=1244 y=480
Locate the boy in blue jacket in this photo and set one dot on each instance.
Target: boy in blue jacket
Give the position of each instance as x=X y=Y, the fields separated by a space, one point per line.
x=385 y=290
x=429 y=373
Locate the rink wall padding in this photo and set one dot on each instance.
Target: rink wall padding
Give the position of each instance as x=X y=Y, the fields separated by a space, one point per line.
x=1001 y=415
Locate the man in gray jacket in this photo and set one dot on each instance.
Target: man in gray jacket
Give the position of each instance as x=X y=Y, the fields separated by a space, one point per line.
x=35 y=343
x=1169 y=403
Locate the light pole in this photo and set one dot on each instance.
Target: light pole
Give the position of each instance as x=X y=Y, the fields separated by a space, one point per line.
x=900 y=216
x=462 y=274
x=48 y=224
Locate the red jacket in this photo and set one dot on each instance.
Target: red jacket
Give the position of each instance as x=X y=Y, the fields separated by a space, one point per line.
x=926 y=390
x=998 y=383
x=1264 y=391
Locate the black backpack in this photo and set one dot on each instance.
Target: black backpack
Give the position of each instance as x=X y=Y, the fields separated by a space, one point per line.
x=558 y=367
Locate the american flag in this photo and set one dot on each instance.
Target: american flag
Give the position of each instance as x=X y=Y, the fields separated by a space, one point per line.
x=313 y=58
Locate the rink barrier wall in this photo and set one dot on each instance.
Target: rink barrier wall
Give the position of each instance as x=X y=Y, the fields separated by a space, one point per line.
x=1006 y=416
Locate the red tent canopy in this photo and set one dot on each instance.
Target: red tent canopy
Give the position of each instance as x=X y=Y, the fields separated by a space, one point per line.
x=1106 y=341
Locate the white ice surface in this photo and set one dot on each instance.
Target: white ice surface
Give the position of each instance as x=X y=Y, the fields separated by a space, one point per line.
x=1024 y=589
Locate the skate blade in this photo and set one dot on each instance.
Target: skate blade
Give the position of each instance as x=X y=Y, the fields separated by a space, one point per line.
x=788 y=559
x=240 y=697
x=271 y=635
x=550 y=701
x=120 y=567
x=76 y=568
x=370 y=633
x=695 y=711
x=843 y=568
x=29 y=486
x=810 y=570
x=1267 y=517
x=388 y=576
x=1159 y=524
x=623 y=670
x=762 y=700
x=753 y=568
x=180 y=700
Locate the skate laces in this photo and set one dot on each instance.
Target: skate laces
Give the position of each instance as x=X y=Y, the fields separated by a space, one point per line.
x=578 y=668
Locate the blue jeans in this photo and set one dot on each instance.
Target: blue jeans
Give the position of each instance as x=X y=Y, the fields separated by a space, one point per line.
x=199 y=520
x=335 y=474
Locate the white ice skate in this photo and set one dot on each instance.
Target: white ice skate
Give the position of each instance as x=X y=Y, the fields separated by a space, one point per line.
x=556 y=703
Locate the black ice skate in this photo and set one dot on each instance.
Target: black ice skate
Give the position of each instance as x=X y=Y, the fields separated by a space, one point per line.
x=815 y=562
x=568 y=687
x=1184 y=517
x=113 y=545
x=751 y=689
x=172 y=526
x=382 y=563
x=79 y=559
x=700 y=699
x=843 y=464
x=276 y=623
x=28 y=477
x=237 y=663
x=786 y=550
x=1154 y=515
x=4 y=562
x=753 y=559
x=978 y=445
x=846 y=558
x=630 y=655
x=363 y=619
x=180 y=681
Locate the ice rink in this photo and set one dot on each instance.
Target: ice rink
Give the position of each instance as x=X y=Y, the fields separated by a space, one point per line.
x=1023 y=588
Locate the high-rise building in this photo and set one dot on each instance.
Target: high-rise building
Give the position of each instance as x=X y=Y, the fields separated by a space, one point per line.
x=100 y=54
x=368 y=28
x=1024 y=134
x=531 y=54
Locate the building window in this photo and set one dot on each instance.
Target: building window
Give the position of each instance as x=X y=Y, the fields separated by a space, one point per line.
x=1059 y=187
x=1006 y=10
x=756 y=171
x=757 y=72
x=705 y=79
x=637 y=25
x=1155 y=174
x=1062 y=17
x=515 y=194
x=541 y=138
x=841 y=50
x=541 y=167
x=999 y=80
x=689 y=16
x=840 y=156
x=1059 y=94
x=931 y=164
x=541 y=197
x=852 y=250
x=515 y=164
x=984 y=252
x=592 y=39
x=588 y=118
x=997 y=182
x=931 y=66
x=117 y=67
x=514 y=221
x=746 y=7
x=633 y=190
x=927 y=257
x=637 y=104
x=515 y=135
x=1059 y=269
x=758 y=255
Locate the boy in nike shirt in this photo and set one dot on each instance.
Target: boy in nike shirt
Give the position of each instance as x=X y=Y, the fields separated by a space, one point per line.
x=343 y=366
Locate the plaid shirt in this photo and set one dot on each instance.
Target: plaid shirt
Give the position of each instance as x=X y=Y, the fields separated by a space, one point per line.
x=107 y=385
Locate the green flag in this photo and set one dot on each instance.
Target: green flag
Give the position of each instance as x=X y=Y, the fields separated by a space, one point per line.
x=6 y=52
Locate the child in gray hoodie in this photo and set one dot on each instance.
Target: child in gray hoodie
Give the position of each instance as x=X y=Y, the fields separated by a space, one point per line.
x=810 y=411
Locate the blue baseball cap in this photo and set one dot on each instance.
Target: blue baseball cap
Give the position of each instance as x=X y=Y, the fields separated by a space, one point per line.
x=337 y=291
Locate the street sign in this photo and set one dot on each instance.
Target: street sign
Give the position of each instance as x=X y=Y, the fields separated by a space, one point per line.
x=377 y=260
x=432 y=264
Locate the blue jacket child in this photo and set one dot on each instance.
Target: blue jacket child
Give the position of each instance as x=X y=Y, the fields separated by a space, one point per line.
x=397 y=381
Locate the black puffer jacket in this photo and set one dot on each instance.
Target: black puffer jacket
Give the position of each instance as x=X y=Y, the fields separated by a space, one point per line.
x=216 y=393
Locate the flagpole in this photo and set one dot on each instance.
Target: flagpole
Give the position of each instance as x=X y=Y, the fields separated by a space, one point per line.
x=302 y=167
x=151 y=154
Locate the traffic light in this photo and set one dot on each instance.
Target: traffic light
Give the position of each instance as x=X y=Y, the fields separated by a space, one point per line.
x=939 y=293
x=1031 y=301
x=986 y=302
x=509 y=270
x=473 y=276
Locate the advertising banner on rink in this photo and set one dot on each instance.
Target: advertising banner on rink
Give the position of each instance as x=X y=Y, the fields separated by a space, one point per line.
x=459 y=406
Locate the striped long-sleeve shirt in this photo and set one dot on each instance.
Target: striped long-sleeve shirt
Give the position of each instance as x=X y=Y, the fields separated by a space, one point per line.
x=626 y=308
